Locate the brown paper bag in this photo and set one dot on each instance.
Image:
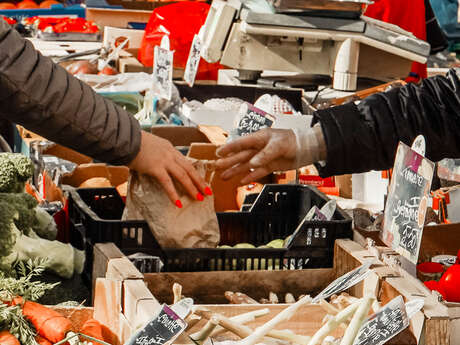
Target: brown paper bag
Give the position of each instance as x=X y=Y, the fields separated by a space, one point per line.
x=192 y=226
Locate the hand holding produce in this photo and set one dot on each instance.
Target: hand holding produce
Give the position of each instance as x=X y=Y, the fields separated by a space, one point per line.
x=160 y=160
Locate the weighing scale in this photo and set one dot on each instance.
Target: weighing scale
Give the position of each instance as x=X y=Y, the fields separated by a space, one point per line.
x=326 y=39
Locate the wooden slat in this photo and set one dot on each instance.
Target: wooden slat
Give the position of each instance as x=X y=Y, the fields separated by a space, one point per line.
x=209 y=287
x=102 y=254
x=107 y=303
x=122 y=269
x=139 y=305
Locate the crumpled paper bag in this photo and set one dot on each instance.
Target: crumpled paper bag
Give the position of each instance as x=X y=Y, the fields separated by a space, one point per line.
x=194 y=225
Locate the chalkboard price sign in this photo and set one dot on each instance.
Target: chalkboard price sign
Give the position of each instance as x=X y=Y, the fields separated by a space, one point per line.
x=406 y=205
x=165 y=327
x=384 y=325
x=163 y=69
x=252 y=119
x=193 y=61
x=346 y=281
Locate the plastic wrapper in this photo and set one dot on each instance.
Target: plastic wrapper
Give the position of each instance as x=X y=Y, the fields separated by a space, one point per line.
x=192 y=226
x=180 y=21
x=449 y=170
x=130 y=101
x=123 y=82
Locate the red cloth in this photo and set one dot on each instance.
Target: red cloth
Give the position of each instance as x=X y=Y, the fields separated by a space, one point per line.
x=408 y=15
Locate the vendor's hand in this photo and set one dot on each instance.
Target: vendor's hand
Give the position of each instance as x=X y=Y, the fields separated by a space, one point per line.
x=159 y=159
x=258 y=154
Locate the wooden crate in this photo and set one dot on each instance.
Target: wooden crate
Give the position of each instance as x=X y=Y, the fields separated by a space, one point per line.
x=436 y=324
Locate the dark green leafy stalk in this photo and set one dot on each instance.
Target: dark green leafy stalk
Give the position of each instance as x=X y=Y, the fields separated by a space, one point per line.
x=24 y=285
x=11 y=318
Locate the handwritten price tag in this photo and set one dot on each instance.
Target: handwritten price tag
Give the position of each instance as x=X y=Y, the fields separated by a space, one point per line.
x=165 y=327
x=193 y=61
x=407 y=201
x=252 y=119
x=388 y=322
x=163 y=69
x=346 y=281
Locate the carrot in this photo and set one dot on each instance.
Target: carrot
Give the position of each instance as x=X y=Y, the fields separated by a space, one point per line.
x=6 y=338
x=42 y=341
x=93 y=329
x=48 y=323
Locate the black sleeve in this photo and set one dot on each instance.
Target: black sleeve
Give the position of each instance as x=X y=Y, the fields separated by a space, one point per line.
x=364 y=137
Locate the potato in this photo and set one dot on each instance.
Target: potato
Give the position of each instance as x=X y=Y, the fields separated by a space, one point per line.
x=96 y=182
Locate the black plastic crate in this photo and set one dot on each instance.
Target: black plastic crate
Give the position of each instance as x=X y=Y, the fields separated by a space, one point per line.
x=278 y=210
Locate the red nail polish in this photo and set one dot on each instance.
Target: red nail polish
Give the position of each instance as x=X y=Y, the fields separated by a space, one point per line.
x=178 y=204
x=208 y=191
x=199 y=197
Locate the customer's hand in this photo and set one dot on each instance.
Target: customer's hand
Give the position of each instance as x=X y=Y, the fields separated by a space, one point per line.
x=159 y=159
x=258 y=154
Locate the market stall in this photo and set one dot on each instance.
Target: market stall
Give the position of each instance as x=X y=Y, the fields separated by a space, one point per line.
x=310 y=247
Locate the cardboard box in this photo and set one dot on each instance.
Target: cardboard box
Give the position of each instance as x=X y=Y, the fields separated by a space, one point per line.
x=115 y=174
x=117 y=17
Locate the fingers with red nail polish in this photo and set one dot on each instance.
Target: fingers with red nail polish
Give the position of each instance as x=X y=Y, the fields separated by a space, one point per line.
x=199 y=197
x=178 y=203
x=208 y=191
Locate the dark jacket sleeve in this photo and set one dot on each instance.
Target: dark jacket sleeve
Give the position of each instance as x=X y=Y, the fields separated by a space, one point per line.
x=44 y=98
x=364 y=137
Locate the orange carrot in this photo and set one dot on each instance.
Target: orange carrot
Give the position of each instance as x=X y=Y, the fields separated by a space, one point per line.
x=92 y=328
x=6 y=338
x=42 y=341
x=48 y=323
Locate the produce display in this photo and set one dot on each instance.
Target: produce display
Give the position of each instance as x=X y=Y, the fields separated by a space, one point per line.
x=344 y=317
x=26 y=322
x=26 y=231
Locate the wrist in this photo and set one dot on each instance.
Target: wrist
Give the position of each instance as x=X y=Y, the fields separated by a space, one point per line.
x=310 y=146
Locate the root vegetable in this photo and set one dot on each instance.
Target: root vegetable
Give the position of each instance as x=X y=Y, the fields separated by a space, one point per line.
x=49 y=323
x=201 y=336
x=273 y=298
x=289 y=298
x=333 y=323
x=177 y=291
x=41 y=341
x=245 y=331
x=239 y=298
x=96 y=182
x=6 y=338
x=358 y=318
x=93 y=329
x=285 y=315
x=242 y=319
x=192 y=320
x=329 y=308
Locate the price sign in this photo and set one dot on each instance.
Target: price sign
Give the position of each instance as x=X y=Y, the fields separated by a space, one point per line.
x=384 y=325
x=165 y=327
x=407 y=201
x=193 y=61
x=252 y=119
x=346 y=281
x=163 y=69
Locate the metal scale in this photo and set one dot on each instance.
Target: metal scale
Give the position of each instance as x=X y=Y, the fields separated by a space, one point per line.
x=327 y=40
